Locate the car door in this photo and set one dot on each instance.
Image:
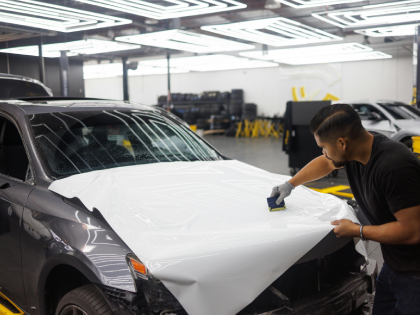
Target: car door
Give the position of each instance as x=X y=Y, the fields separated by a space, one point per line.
x=383 y=126
x=14 y=192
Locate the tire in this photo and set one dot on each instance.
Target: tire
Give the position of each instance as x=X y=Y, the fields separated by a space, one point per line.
x=235 y=109
x=408 y=143
x=203 y=123
x=237 y=94
x=85 y=300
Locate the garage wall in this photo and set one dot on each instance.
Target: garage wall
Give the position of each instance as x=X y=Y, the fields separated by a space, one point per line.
x=271 y=88
x=29 y=66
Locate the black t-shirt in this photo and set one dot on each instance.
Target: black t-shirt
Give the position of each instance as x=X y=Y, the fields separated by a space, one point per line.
x=389 y=182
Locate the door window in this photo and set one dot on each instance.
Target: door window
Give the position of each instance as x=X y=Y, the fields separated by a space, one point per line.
x=13 y=159
x=365 y=111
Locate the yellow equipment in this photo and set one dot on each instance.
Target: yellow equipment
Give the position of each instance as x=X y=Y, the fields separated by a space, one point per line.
x=7 y=307
x=416 y=145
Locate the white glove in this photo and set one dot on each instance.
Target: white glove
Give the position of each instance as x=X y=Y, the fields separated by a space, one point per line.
x=283 y=191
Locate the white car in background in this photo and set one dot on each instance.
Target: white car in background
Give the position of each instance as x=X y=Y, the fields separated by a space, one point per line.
x=396 y=120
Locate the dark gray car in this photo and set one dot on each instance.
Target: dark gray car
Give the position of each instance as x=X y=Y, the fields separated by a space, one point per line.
x=57 y=257
x=13 y=86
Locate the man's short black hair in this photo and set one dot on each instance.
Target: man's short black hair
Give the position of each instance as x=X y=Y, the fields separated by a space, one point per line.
x=337 y=121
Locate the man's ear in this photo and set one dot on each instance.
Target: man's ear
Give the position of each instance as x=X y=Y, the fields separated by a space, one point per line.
x=342 y=143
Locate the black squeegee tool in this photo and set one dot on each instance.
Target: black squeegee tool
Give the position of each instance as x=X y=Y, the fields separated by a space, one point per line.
x=272 y=206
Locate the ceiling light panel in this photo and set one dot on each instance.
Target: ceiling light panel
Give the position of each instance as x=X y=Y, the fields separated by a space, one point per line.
x=80 y=47
x=167 y=9
x=273 y=32
x=112 y=70
x=52 y=17
x=319 y=54
x=186 y=41
x=210 y=63
x=398 y=30
x=369 y=55
x=300 y=4
x=273 y=54
x=373 y=15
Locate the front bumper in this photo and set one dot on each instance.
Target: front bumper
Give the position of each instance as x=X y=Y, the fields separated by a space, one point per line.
x=340 y=299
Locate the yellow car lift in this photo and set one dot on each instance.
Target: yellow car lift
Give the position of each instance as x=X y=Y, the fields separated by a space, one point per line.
x=7 y=307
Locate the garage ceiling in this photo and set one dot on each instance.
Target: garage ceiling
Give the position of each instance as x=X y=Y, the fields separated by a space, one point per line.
x=294 y=23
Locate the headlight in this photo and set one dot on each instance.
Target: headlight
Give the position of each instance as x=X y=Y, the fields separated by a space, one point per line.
x=138 y=269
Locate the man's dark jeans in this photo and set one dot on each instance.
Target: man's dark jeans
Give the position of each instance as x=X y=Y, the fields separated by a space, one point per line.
x=396 y=294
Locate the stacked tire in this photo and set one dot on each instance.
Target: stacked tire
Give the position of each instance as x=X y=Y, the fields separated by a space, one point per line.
x=190 y=118
x=249 y=111
x=236 y=102
x=203 y=123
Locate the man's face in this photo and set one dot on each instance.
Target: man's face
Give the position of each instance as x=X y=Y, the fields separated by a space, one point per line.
x=334 y=151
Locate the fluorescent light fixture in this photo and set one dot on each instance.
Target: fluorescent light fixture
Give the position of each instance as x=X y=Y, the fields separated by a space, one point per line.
x=111 y=70
x=273 y=31
x=80 y=47
x=398 y=30
x=319 y=54
x=210 y=63
x=167 y=9
x=300 y=4
x=186 y=41
x=373 y=15
x=273 y=54
x=53 y=17
x=370 y=55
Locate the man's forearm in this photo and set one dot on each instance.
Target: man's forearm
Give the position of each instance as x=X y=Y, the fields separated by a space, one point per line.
x=316 y=169
x=391 y=233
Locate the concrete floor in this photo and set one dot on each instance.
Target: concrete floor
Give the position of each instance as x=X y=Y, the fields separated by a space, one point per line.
x=266 y=153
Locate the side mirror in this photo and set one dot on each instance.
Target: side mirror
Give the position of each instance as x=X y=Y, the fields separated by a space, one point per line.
x=375 y=116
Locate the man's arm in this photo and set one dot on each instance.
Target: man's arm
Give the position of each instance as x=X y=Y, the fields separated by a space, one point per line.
x=405 y=231
x=316 y=169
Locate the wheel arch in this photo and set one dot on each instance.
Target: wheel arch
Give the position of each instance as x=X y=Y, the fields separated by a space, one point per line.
x=61 y=269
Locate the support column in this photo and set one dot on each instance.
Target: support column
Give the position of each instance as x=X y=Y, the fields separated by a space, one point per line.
x=125 y=78
x=64 y=73
x=169 y=98
x=41 y=61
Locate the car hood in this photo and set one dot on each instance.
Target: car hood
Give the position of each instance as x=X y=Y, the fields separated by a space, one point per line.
x=412 y=125
x=204 y=228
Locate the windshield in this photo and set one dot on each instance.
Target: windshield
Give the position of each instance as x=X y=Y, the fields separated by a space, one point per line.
x=83 y=141
x=401 y=111
x=10 y=88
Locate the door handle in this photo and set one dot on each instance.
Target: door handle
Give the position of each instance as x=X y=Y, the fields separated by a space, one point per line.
x=5 y=186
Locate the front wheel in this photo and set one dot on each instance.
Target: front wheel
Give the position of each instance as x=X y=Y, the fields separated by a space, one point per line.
x=408 y=143
x=85 y=300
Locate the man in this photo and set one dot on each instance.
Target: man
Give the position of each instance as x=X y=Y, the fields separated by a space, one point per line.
x=384 y=176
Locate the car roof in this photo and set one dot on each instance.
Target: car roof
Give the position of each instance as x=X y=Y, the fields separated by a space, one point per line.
x=52 y=105
x=25 y=79
x=17 y=77
x=367 y=101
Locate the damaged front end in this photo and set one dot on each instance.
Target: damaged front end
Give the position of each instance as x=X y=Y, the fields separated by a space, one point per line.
x=326 y=280
x=337 y=283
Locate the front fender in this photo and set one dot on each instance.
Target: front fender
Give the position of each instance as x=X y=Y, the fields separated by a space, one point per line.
x=400 y=135
x=56 y=233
